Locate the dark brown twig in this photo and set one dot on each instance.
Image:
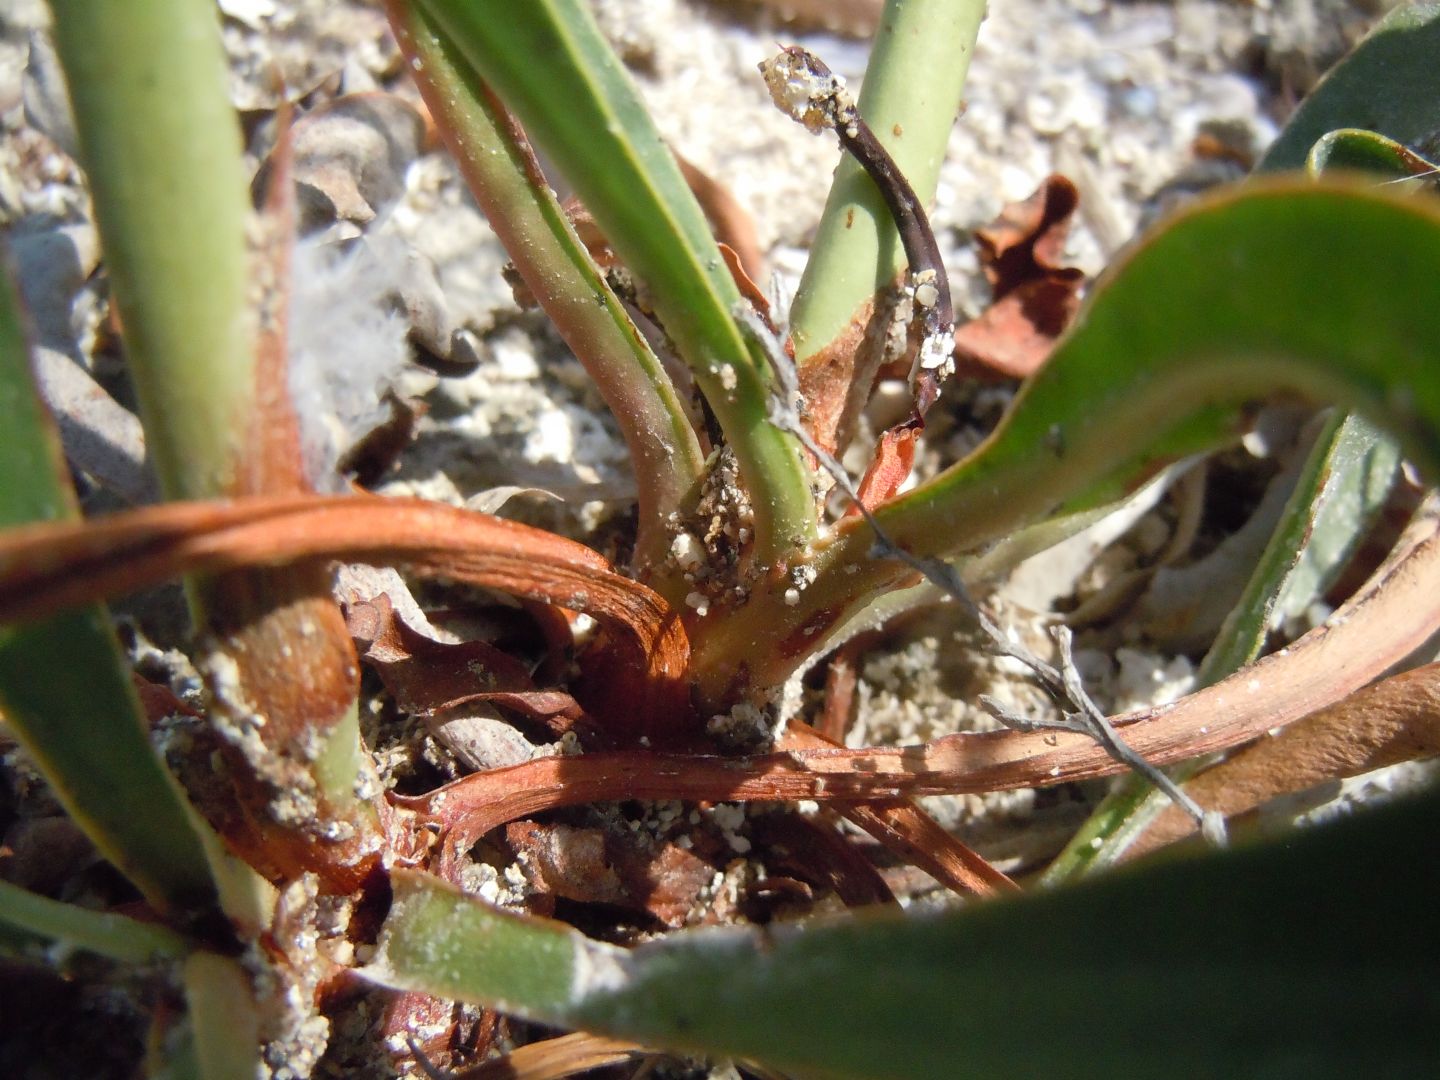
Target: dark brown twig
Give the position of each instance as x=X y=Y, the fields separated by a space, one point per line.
x=805 y=89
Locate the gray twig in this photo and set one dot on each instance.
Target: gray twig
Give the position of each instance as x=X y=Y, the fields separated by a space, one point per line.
x=1064 y=686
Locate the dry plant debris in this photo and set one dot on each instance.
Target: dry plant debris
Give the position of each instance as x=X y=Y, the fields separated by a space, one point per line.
x=694 y=872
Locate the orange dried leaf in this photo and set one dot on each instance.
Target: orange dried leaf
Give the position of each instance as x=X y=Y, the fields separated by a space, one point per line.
x=894 y=458
x=1034 y=296
x=1389 y=618
x=644 y=649
x=1392 y=721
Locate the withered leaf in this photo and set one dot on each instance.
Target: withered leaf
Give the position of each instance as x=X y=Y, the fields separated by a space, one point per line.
x=424 y=674
x=1034 y=296
x=1388 y=722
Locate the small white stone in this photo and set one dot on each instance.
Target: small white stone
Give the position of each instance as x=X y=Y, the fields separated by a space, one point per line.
x=687 y=552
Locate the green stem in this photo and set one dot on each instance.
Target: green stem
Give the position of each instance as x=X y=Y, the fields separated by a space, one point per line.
x=911 y=94
x=557 y=269
x=147 y=81
x=549 y=63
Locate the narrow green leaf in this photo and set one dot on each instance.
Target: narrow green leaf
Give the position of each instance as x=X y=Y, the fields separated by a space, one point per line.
x=161 y=148
x=117 y=936
x=1200 y=968
x=65 y=687
x=549 y=63
x=1389 y=83
x=223 y=1017
x=1366 y=151
x=1341 y=488
x=559 y=271
x=1320 y=525
x=910 y=97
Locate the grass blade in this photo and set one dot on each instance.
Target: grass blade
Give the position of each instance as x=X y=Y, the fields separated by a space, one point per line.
x=65 y=688
x=147 y=82
x=117 y=936
x=224 y=1018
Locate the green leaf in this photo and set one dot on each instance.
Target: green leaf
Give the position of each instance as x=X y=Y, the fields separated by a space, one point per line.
x=1353 y=150
x=1280 y=960
x=1389 y=83
x=117 y=936
x=1322 y=289
x=555 y=265
x=1322 y=521
x=224 y=1018
x=65 y=687
x=1278 y=285
x=1342 y=487
x=549 y=63
x=160 y=144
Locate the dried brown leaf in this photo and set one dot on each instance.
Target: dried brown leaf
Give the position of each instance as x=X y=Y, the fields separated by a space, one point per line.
x=423 y=674
x=894 y=458
x=553 y=1059
x=853 y=18
x=1389 y=618
x=638 y=684
x=1034 y=296
x=814 y=852
x=729 y=221
x=1392 y=721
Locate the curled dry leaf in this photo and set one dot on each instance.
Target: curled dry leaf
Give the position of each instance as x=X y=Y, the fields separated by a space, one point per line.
x=553 y=1059
x=48 y=567
x=894 y=458
x=1396 y=612
x=1392 y=721
x=1034 y=296
x=423 y=674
